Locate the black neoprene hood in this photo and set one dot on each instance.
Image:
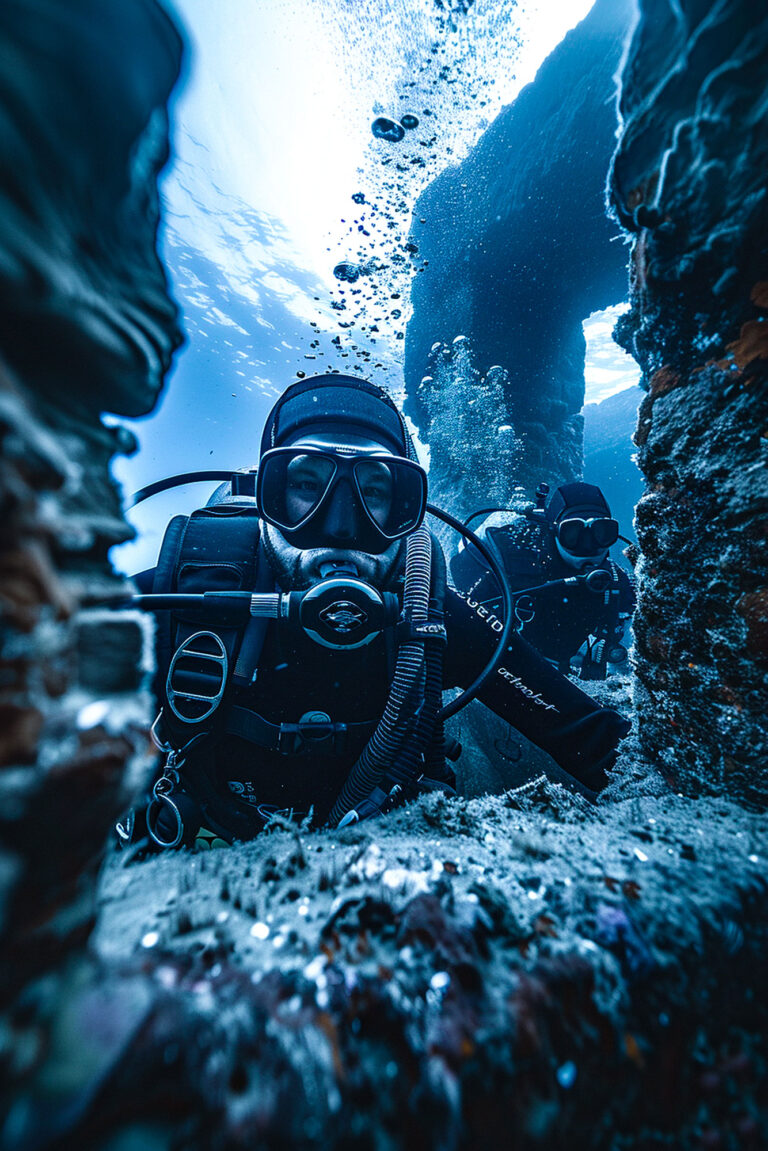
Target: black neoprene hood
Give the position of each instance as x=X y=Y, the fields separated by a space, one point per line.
x=336 y=404
x=577 y=499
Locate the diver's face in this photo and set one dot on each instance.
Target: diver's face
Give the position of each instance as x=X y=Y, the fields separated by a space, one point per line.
x=308 y=478
x=583 y=540
x=341 y=523
x=581 y=563
x=297 y=569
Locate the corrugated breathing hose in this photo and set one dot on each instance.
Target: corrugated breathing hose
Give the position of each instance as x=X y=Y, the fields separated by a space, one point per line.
x=418 y=745
x=435 y=744
x=384 y=746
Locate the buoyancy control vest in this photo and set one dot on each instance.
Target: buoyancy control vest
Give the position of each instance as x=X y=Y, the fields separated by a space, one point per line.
x=201 y=662
x=213 y=549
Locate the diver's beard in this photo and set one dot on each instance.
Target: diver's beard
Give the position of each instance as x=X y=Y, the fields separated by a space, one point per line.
x=296 y=569
x=581 y=564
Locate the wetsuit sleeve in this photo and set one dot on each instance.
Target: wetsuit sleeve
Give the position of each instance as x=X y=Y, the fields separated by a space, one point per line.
x=530 y=694
x=627 y=594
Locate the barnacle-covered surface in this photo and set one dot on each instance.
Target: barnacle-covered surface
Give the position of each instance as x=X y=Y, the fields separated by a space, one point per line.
x=688 y=181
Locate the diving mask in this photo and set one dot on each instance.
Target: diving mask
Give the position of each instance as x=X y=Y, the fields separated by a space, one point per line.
x=307 y=491
x=587 y=537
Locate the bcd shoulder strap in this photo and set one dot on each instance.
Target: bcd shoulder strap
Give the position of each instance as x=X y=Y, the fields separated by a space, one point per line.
x=214 y=549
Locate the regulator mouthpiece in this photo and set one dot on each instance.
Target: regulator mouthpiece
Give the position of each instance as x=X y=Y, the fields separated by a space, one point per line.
x=338 y=568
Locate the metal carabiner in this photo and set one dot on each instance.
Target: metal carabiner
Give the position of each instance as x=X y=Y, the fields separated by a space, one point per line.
x=155 y=736
x=161 y=793
x=165 y=786
x=158 y=799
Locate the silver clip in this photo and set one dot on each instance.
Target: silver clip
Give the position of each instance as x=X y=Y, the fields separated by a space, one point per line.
x=164 y=798
x=158 y=742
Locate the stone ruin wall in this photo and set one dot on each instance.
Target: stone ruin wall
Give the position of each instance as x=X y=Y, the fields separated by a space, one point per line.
x=622 y=1009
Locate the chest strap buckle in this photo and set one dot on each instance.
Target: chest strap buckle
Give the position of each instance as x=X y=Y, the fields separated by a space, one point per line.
x=314 y=730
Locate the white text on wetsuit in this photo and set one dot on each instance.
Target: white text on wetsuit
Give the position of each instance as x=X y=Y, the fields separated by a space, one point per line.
x=493 y=622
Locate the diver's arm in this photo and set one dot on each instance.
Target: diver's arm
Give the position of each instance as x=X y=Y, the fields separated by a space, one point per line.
x=530 y=694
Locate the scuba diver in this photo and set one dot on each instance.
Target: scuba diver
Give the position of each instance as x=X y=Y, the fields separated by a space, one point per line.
x=306 y=633
x=568 y=532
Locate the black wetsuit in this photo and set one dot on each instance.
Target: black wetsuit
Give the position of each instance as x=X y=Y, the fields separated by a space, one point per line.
x=555 y=620
x=296 y=676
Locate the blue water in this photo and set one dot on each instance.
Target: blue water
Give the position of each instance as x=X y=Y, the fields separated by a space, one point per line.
x=273 y=152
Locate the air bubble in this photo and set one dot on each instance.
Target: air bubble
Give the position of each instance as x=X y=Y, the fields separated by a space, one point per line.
x=385 y=129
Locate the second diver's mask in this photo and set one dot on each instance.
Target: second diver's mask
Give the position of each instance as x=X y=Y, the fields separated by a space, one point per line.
x=586 y=537
x=324 y=495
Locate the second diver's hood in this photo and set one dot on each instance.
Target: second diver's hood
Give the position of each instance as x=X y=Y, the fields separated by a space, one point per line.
x=576 y=499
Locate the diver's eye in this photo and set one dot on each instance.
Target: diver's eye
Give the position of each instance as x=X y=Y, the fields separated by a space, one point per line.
x=307 y=486
x=374 y=480
x=375 y=492
x=307 y=476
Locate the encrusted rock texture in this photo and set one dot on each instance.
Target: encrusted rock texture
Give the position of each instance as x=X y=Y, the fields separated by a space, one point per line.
x=688 y=181
x=520 y=251
x=527 y=973
x=524 y=971
x=86 y=325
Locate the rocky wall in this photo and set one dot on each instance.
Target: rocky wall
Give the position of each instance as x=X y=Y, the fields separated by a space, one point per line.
x=86 y=325
x=688 y=183
x=523 y=971
x=517 y=251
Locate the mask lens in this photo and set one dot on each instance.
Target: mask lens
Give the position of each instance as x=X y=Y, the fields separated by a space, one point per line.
x=605 y=532
x=393 y=494
x=571 y=534
x=292 y=486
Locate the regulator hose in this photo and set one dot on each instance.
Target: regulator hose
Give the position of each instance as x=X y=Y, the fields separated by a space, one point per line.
x=470 y=692
x=384 y=746
x=435 y=747
x=427 y=747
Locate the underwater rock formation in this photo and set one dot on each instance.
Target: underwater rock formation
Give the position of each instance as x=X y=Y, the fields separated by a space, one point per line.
x=84 y=303
x=688 y=181
x=86 y=324
x=520 y=250
x=520 y=972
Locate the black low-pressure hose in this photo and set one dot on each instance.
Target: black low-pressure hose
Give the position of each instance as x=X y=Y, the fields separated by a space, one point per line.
x=433 y=741
x=179 y=481
x=383 y=748
x=509 y=613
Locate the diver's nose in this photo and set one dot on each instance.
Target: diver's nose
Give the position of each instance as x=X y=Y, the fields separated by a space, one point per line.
x=342 y=516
